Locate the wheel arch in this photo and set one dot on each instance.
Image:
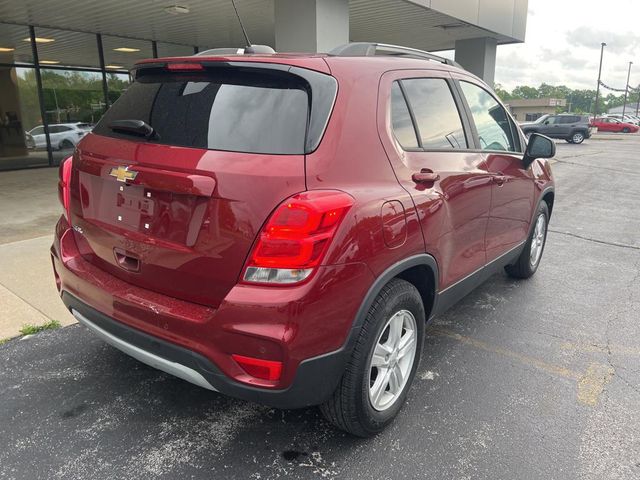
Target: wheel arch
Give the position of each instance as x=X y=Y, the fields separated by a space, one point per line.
x=420 y=270
x=549 y=197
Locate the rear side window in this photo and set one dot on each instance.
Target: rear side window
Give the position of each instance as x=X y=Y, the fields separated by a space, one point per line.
x=220 y=110
x=438 y=120
x=495 y=131
x=401 y=121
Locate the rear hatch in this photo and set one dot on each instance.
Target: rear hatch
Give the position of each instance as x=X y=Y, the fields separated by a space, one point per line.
x=172 y=186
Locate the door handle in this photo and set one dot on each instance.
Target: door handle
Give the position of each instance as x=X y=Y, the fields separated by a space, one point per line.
x=499 y=179
x=425 y=176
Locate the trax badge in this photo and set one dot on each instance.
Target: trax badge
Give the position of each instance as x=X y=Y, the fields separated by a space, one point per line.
x=123 y=174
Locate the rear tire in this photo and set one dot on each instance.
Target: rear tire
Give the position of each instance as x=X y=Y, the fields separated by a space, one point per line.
x=529 y=260
x=369 y=397
x=66 y=145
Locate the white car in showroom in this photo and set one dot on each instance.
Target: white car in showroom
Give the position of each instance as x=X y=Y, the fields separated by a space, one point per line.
x=64 y=136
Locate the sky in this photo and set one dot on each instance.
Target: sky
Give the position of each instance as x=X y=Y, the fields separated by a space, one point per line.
x=562 y=45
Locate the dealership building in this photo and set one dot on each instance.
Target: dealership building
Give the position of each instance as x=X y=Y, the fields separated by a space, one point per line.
x=65 y=62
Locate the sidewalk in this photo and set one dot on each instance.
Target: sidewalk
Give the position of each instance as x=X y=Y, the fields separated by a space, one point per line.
x=29 y=209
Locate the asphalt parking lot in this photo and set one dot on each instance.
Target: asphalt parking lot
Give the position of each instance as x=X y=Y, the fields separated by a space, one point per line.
x=530 y=380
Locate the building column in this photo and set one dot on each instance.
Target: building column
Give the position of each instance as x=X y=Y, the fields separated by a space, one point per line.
x=478 y=55
x=311 y=25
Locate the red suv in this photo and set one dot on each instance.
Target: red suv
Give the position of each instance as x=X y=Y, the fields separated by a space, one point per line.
x=280 y=228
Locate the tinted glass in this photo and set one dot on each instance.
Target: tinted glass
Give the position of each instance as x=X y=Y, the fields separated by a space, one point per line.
x=437 y=116
x=242 y=112
x=568 y=119
x=492 y=122
x=401 y=119
x=37 y=131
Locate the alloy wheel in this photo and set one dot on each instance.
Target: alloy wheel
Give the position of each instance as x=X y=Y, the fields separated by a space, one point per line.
x=537 y=242
x=392 y=360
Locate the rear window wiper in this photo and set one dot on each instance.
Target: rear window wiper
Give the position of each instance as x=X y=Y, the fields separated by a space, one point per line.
x=138 y=128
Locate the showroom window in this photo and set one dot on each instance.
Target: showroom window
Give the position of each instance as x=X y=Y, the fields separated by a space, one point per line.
x=53 y=82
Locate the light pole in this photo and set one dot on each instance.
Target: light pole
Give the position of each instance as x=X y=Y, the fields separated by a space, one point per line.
x=602 y=45
x=626 y=91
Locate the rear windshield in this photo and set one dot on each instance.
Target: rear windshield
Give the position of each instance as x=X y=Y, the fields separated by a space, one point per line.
x=240 y=111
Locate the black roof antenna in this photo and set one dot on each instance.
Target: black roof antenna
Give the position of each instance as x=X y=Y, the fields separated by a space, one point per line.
x=250 y=48
x=244 y=32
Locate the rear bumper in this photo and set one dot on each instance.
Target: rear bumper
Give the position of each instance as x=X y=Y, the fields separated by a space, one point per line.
x=316 y=378
x=305 y=327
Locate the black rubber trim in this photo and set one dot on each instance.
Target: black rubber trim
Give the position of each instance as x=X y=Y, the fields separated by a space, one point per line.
x=315 y=380
x=454 y=293
x=391 y=272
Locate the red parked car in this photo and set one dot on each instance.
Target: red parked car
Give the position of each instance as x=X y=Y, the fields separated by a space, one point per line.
x=607 y=124
x=280 y=228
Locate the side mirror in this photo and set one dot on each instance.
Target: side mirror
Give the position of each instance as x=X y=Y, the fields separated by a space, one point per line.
x=539 y=146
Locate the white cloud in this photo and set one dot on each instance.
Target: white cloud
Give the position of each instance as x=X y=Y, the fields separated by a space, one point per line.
x=562 y=45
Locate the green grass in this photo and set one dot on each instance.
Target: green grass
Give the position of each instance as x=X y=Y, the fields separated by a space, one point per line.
x=4 y=340
x=32 y=329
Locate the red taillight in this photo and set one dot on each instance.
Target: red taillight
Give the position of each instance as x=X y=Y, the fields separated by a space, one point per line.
x=259 y=368
x=64 y=184
x=296 y=237
x=186 y=66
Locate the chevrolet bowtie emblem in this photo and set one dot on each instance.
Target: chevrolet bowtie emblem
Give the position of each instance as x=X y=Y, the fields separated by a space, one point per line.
x=123 y=174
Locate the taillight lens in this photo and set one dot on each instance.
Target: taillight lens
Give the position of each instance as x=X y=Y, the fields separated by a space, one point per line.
x=296 y=237
x=64 y=185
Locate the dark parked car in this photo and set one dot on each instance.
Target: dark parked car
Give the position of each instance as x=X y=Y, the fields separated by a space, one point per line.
x=281 y=228
x=572 y=128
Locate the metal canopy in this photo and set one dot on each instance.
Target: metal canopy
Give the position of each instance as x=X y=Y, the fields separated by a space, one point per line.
x=212 y=23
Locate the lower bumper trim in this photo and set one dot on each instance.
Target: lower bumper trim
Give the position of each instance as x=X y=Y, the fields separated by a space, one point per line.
x=148 y=358
x=315 y=380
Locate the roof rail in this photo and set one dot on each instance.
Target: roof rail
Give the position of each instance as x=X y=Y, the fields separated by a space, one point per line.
x=369 y=49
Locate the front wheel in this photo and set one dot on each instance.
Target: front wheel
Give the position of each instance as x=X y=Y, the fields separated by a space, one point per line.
x=577 y=137
x=529 y=260
x=383 y=363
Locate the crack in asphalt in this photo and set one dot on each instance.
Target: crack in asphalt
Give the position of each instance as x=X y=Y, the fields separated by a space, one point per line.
x=599 y=167
x=595 y=240
x=614 y=367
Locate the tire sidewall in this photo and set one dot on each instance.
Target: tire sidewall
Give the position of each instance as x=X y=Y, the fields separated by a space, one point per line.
x=408 y=300
x=581 y=137
x=543 y=209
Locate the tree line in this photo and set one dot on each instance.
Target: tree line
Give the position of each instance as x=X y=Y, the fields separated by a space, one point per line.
x=578 y=101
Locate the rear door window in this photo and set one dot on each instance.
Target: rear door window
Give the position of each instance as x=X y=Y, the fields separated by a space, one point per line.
x=437 y=117
x=223 y=110
x=403 y=128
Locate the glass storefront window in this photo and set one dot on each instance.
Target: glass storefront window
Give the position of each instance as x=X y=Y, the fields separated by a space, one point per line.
x=20 y=114
x=15 y=44
x=74 y=102
x=123 y=53
x=173 y=50
x=65 y=48
x=117 y=83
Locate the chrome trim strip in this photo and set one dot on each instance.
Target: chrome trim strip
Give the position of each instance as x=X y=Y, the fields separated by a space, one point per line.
x=495 y=260
x=175 y=369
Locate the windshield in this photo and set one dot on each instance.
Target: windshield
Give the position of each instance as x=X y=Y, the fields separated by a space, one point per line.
x=541 y=119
